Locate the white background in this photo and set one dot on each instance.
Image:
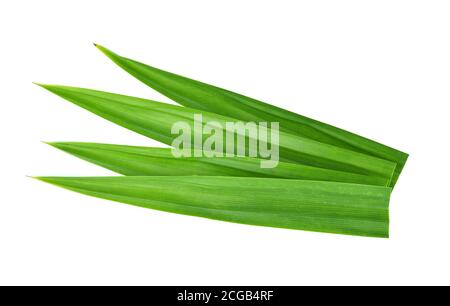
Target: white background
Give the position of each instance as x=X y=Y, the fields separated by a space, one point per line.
x=378 y=68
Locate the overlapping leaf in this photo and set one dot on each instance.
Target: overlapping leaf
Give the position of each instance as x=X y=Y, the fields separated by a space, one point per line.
x=155 y=120
x=210 y=98
x=328 y=179
x=144 y=161
x=294 y=204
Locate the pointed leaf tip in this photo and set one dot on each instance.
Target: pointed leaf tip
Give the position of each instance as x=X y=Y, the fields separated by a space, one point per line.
x=113 y=56
x=50 y=143
x=45 y=86
x=39 y=178
x=100 y=47
x=57 y=145
x=47 y=179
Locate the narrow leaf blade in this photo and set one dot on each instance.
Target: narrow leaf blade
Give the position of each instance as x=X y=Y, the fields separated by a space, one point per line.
x=303 y=205
x=144 y=161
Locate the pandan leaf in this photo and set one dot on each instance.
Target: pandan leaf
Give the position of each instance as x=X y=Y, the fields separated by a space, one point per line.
x=155 y=120
x=144 y=161
x=294 y=204
x=206 y=97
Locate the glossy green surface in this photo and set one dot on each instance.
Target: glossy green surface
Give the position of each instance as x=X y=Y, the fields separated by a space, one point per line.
x=210 y=98
x=145 y=161
x=294 y=204
x=155 y=120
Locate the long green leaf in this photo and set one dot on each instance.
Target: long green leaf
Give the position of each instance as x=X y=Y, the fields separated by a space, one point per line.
x=304 y=205
x=206 y=97
x=144 y=161
x=155 y=120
